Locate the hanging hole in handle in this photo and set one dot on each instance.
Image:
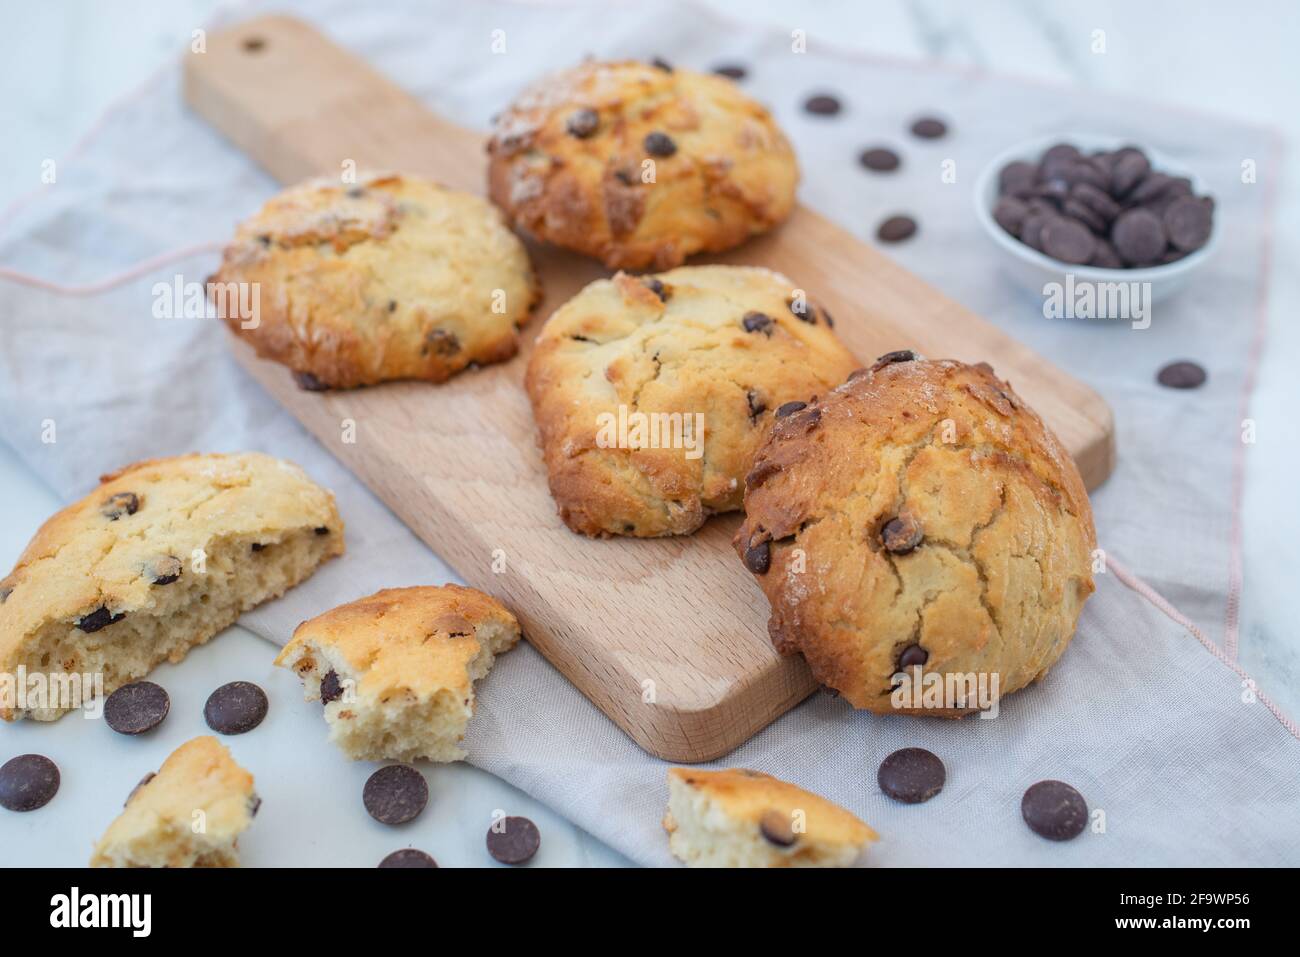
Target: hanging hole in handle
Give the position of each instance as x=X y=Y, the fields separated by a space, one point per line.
x=254 y=44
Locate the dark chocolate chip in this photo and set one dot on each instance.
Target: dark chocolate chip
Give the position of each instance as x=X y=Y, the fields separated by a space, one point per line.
x=331 y=689
x=392 y=305
x=321 y=530
x=879 y=160
x=5 y=593
x=582 y=123
x=442 y=342
x=1129 y=169
x=1054 y=190
x=123 y=503
x=1077 y=212
x=1188 y=221
x=254 y=805
x=516 y=841
x=757 y=322
x=101 y=617
x=1138 y=236
x=1010 y=213
x=1182 y=375
x=408 y=857
x=1096 y=200
x=257 y=547
x=659 y=144
x=732 y=71
x=913 y=656
x=309 y=383
x=803 y=310
x=1054 y=810
x=902 y=534
x=1152 y=187
x=136 y=790
x=264 y=239
x=356 y=192
x=757 y=406
x=395 y=794
x=657 y=287
x=1031 y=230
x=659 y=63
x=1068 y=241
x=166 y=570
x=28 y=782
x=789 y=408
x=911 y=775
x=1105 y=256
x=896 y=229
x=929 y=128
x=235 y=708
x=758 y=558
x=1016 y=177
x=1084 y=172
x=889 y=358
x=137 y=707
x=777 y=828
x=822 y=104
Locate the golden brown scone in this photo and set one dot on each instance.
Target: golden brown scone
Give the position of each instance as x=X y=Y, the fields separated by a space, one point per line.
x=719 y=347
x=920 y=514
x=189 y=814
x=640 y=166
x=396 y=670
x=740 y=818
x=158 y=559
x=393 y=277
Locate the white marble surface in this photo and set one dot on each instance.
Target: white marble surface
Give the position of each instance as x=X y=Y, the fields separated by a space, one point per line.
x=64 y=62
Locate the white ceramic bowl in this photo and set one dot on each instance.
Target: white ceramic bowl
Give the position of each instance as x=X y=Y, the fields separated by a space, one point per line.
x=1033 y=269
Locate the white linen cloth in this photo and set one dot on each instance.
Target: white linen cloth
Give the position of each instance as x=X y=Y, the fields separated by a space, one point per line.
x=1156 y=730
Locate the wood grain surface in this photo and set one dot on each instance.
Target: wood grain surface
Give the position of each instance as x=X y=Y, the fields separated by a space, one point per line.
x=667 y=637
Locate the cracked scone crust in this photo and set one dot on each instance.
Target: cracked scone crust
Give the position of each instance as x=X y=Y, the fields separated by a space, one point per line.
x=189 y=814
x=158 y=559
x=394 y=277
x=742 y=818
x=395 y=671
x=720 y=341
x=568 y=158
x=919 y=514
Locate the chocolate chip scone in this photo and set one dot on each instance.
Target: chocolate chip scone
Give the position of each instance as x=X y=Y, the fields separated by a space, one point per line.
x=158 y=559
x=919 y=516
x=393 y=277
x=189 y=814
x=740 y=818
x=640 y=166
x=652 y=394
x=396 y=671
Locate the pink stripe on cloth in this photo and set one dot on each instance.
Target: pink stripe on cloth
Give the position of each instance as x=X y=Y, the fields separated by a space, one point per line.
x=1131 y=581
x=115 y=280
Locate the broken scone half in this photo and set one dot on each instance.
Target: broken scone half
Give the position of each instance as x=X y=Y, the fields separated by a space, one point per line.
x=189 y=814
x=740 y=818
x=396 y=671
x=158 y=559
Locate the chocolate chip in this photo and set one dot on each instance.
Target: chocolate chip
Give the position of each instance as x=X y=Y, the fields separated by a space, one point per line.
x=321 y=530
x=1182 y=375
x=516 y=841
x=889 y=358
x=913 y=656
x=1010 y=213
x=1077 y=174
x=392 y=305
x=1053 y=189
x=911 y=775
x=330 y=687
x=802 y=309
x=896 y=229
x=28 y=782
x=1078 y=212
x=136 y=790
x=777 y=828
x=166 y=570
x=758 y=558
x=1096 y=200
x=659 y=63
x=929 y=128
x=757 y=322
x=1017 y=177
x=879 y=160
x=235 y=708
x=1130 y=167
x=659 y=144
x=1105 y=256
x=442 y=342
x=756 y=405
x=256 y=547
x=264 y=239
x=1138 y=236
x=1152 y=187
x=123 y=503
x=136 y=708
x=5 y=593
x=789 y=408
x=1054 y=810
x=582 y=123
x=731 y=71
x=408 y=857
x=822 y=104
x=254 y=805
x=1068 y=241
x=1188 y=221
x=657 y=287
x=395 y=794
x=101 y=617
x=1031 y=230
x=309 y=383
x=356 y=192
x=902 y=534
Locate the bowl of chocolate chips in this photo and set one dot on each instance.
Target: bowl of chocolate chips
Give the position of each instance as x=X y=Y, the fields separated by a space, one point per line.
x=1097 y=210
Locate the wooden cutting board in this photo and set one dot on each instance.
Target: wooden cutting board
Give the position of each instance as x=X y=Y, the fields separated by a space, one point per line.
x=667 y=637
